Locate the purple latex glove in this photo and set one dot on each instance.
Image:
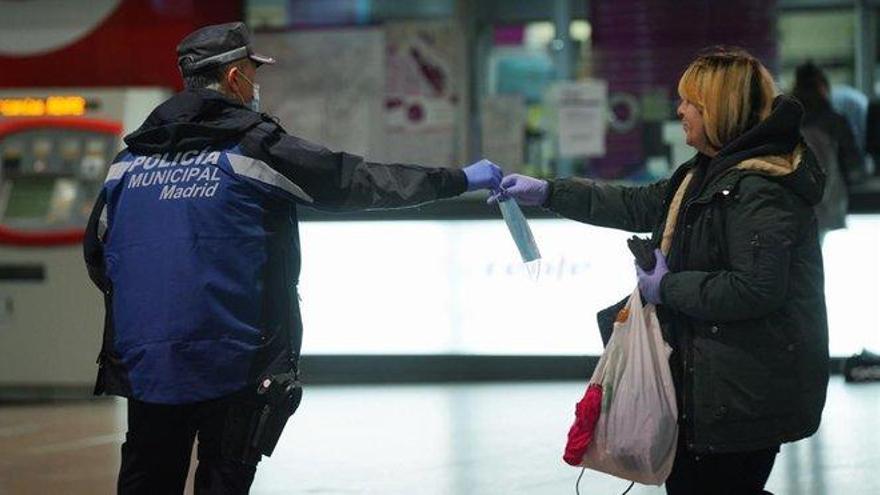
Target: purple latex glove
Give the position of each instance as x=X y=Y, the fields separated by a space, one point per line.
x=527 y=191
x=649 y=282
x=483 y=175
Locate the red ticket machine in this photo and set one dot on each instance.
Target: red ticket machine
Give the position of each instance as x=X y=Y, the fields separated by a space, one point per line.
x=51 y=170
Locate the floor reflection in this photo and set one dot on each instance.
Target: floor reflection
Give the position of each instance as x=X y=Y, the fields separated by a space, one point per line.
x=425 y=440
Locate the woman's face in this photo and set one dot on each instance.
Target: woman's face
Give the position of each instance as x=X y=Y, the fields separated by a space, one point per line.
x=694 y=130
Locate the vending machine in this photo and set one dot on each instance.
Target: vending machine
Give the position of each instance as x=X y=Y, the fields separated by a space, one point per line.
x=55 y=148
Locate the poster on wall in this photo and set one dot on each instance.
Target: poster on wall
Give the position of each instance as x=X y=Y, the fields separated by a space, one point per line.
x=581 y=117
x=328 y=87
x=425 y=81
x=503 y=127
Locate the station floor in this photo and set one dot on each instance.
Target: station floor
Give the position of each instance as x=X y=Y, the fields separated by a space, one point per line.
x=461 y=439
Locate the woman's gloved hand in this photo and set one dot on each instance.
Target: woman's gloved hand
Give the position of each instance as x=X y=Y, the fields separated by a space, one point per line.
x=649 y=282
x=527 y=191
x=483 y=175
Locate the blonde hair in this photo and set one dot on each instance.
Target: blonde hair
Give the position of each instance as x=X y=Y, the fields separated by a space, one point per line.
x=733 y=91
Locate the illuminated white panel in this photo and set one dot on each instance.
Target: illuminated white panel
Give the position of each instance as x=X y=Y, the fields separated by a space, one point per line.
x=457 y=287
x=852 y=285
x=439 y=287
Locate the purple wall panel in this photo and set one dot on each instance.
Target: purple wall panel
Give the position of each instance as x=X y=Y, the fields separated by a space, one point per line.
x=513 y=35
x=645 y=45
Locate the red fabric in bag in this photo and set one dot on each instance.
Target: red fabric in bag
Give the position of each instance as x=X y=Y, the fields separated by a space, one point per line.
x=586 y=414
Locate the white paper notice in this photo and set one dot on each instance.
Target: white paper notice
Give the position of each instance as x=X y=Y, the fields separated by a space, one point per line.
x=503 y=124
x=582 y=123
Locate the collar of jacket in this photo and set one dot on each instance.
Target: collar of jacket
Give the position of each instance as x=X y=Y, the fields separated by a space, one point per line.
x=797 y=171
x=680 y=173
x=193 y=119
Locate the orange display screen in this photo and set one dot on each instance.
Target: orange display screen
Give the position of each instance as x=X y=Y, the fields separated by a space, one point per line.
x=53 y=106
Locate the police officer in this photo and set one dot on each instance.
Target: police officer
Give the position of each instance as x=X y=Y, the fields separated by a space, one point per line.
x=194 y=242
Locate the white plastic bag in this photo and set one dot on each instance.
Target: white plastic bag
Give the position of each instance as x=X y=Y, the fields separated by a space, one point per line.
x=637 y=431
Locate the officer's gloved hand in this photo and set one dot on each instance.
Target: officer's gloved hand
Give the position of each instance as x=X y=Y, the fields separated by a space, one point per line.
x=527 y=191
x=483 y=175
x=649 y=281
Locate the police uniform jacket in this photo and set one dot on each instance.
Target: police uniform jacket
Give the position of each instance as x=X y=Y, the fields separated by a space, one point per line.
x=194 y=243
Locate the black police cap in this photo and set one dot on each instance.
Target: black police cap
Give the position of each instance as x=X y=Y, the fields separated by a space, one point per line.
x=213 y=46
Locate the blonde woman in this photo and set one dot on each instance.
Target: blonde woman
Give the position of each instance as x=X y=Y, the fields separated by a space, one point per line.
x=738 y=279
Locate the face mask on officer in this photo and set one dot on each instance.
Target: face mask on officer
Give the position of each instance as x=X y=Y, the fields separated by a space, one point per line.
x=255 y=100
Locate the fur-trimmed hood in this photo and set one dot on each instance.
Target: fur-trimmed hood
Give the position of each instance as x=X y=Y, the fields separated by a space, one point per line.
x=798 y=171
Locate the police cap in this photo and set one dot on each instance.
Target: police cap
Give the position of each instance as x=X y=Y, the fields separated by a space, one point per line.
x=213 y=46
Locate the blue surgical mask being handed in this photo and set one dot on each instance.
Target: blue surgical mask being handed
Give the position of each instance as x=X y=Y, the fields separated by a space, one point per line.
x=255 y=101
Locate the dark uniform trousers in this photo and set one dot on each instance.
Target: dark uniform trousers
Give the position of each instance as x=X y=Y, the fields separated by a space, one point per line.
x=740 y=473
x=159 y=442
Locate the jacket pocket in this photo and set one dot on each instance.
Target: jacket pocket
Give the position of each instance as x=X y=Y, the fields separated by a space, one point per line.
x=752 y=372
x=767 y=251
x=755 y=242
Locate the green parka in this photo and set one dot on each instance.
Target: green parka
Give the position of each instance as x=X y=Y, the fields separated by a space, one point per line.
x=743 y=306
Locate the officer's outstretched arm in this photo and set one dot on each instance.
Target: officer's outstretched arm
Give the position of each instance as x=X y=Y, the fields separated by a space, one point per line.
x=343 y=181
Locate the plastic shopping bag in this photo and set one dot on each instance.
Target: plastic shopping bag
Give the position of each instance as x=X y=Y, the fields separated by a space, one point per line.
x=627 y=423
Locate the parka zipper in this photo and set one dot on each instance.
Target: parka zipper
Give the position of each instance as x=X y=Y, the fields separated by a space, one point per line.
x=687 y=355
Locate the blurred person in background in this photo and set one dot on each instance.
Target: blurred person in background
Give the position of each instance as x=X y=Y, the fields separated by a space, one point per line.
x=853 y=105
x=194 y=243
x=738 y=280
x=831 y=139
